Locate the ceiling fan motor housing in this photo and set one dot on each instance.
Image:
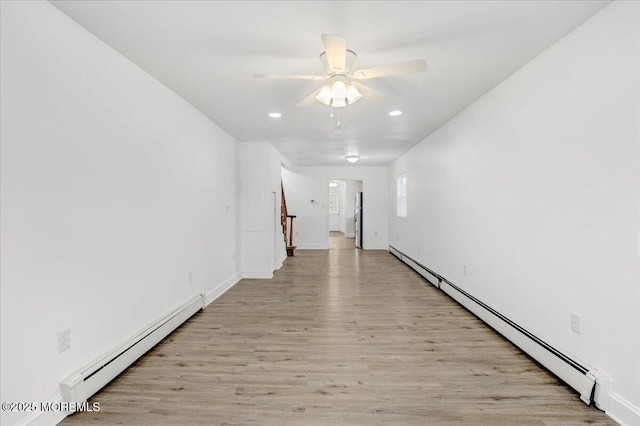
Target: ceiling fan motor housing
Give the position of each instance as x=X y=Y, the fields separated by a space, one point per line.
x=350 y=62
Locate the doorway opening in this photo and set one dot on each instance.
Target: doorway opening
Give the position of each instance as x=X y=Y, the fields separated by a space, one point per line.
x=345 y=214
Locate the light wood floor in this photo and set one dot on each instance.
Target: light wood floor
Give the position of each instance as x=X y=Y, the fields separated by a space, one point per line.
x=338 y=241
x=337 y=337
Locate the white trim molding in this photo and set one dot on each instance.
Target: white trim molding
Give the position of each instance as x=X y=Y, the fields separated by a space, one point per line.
x=281 y=261
x=260 y=275
x=622 y=411
x=385 y=248
x=79 y=386
x=45 y=418
x=591 y=384
x=221 y=288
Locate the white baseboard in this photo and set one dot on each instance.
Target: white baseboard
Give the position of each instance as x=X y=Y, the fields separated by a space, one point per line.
x=432 y=279
x=80 y=385
x=221 y=288
x=386 y=248
x=45 y=418
x=312 y=246
x=622 y=411
x=578 y=380
x=49 y=418
x=615 y=406
x=281 y=261
x=261 y=275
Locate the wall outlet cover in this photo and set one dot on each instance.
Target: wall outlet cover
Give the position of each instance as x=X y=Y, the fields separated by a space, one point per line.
x=64 y=340
x=576 y=323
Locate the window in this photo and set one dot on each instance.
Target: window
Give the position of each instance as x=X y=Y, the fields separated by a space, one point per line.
x=334 y=202
x=401 y=194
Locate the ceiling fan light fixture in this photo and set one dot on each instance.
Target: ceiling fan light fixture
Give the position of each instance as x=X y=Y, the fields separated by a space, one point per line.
x=339 y=94
x=352 y=158
x=339 y=102
x=338 y=63
x=353 y=94
x=324 y=95
x=339 y=90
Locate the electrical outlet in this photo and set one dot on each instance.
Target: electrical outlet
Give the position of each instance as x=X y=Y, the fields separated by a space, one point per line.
x=576 y=323
x=190 y=277
x=64 y=340
x=297 y=233
x=418 y=249
x=465 y=269
x=375 y=234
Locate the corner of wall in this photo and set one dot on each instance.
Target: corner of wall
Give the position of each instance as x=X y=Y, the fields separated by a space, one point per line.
x=221 y=288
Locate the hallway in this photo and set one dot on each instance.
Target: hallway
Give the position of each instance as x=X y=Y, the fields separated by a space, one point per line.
x=337 y=241
x=337 y=337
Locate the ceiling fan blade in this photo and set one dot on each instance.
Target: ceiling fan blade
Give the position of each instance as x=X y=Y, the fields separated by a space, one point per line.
x=393 y=69
x=290 y=76
x=309 y=99
x=336 y=48
x=368 y=92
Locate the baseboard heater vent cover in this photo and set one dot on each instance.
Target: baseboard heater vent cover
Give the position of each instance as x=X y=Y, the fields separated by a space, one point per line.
x=592 y=385
x=82 y=384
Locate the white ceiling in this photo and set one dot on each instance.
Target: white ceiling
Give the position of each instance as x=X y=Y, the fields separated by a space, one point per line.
x=207 y=51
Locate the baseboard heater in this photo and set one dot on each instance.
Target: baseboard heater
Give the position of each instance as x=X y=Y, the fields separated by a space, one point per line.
x=82 y=384
x=591 y=385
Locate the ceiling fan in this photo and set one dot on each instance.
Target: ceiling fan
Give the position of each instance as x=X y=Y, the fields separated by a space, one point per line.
x=345 y=87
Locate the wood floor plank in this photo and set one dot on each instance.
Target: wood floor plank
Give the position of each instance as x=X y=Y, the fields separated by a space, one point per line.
x=338 y=336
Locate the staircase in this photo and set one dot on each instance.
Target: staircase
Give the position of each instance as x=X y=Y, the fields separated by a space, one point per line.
x=283 y=220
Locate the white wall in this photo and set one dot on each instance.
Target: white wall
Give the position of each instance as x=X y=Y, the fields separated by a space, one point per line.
x=345 y=206
x=535 y=187
x=304 y=184
x=113 y=190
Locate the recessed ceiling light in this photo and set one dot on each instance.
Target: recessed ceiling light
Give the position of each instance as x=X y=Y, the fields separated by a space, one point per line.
x=395 y=113
x=352 y=158
x=275 y=115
